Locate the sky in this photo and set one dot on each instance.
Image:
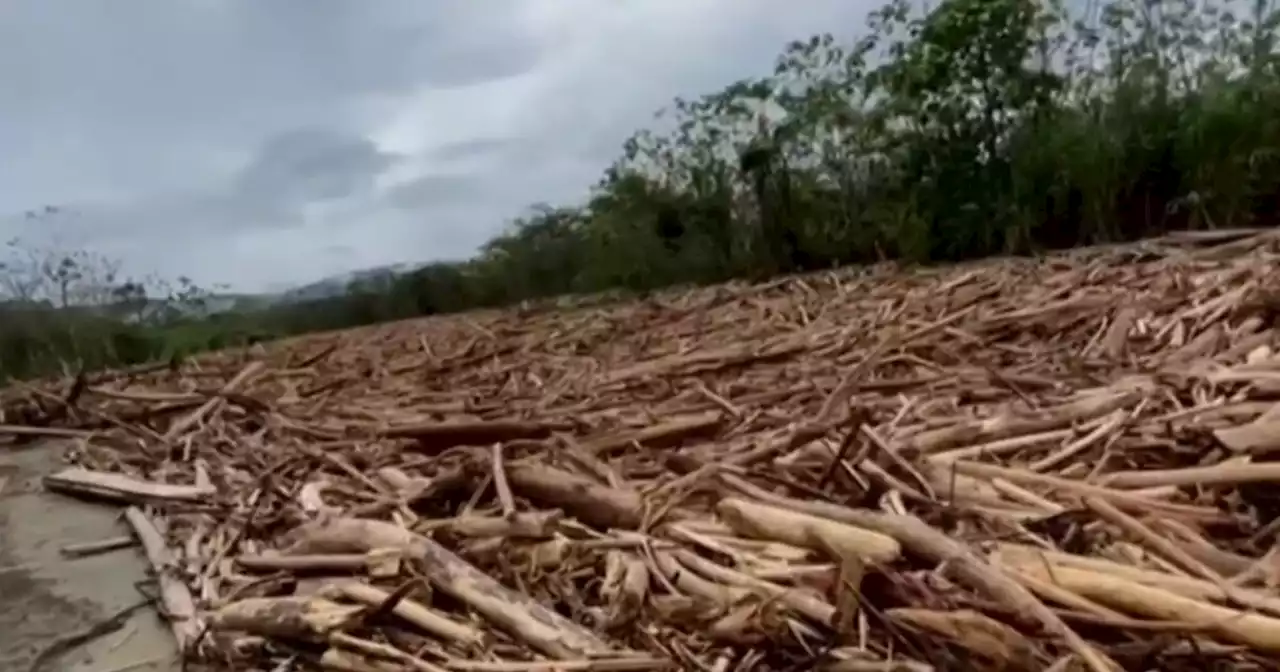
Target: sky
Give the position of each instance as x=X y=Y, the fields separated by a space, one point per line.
x=263 y=144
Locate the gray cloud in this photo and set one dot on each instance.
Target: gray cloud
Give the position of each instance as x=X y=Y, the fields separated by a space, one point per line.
x=298 y=167
x=265 y=143
x=474 y=148
x=135 y=81
x=435 y=191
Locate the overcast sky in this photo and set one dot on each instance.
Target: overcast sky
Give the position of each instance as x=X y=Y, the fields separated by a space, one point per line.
x=264 y=143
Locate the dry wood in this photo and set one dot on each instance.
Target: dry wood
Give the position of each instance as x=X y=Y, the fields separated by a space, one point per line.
x=84 y=482
x=342 y=660
x=993 y=644
x=625 y=586
x=827 y=472
x=1250 y=629
x=1255 y=437
x=381 y=651
x=447 y=435
x=927 y=541
x=302 y=618
x=179 y=606
x=798 y=529
x=411 y=611
x=378 y=562
x=540 y=627
x=96 y=547
x=1027 y=559
x=582 y=497
x=657 y=436
x=522 y=525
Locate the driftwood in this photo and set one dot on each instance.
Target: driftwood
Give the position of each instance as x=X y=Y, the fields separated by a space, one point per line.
x=378 y=562
x=96 y=547
x=302 y=618
x=589 y=501
x=800 y=529
x=179 y=606
x=84 y=482
x=423 y=617
x=1054 y=464
x=540 y=627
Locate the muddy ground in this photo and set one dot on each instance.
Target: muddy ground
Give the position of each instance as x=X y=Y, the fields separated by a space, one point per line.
x=48 y=601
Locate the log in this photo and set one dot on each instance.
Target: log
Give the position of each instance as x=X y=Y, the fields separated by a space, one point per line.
x=429 y=620
x=799 y=529
x=540 y=627
x=305 y=618
x=96 y=547
x=1012 y=424
x=1259 y=437
x=522 y=525
x=342 y=660
x=668 y=433
x=926 y=541
x=122 y=488
x=996 y=645
x=443 y=435
x=378 y=562
x=376 y=652
x=625 y=585
x=1251 y=629
x=1024 y=557
x=179 y=607
x=583 y=498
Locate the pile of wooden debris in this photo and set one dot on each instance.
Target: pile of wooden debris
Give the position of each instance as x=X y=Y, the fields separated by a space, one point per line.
x=1018 y=465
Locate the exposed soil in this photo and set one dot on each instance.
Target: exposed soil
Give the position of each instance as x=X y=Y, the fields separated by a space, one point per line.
x=46 y=599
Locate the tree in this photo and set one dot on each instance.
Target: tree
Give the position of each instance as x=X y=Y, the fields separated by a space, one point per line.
x=967 y=128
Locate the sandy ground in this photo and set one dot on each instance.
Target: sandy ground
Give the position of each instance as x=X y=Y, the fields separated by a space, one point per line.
x=46 y=598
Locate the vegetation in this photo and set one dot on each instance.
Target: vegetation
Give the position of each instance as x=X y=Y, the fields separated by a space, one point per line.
x=977 y=127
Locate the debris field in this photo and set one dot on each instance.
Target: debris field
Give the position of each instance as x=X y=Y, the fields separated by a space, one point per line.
x=1021 y=464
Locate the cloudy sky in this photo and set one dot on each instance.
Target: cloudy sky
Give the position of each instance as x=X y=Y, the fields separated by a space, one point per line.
x=264 y=143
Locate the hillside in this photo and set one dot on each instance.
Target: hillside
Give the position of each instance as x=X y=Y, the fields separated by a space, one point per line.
x=933 y=135
x=1019 y=463
x=338 y=285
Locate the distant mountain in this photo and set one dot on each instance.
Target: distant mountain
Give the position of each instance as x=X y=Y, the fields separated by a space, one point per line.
x=337 y=285
x=217 y=302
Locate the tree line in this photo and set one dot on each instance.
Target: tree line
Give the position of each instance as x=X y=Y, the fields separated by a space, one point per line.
x=972 y=128
x=979 y=127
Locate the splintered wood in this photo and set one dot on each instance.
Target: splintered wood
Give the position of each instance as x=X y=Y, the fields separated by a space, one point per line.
x=1014 y=465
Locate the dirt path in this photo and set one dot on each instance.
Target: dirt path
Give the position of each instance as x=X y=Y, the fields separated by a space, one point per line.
x=47 y=599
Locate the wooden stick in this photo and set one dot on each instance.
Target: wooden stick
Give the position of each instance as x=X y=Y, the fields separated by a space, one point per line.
x=799 y=529
x=537 y=625
x=918 y=537
x=411 y=611
x=186 y=422
x=179 y=607
x=1251 y=629
x=122 y=488
x=590 y=501
x=96 y=547
x=500 y=484
x=307 y=618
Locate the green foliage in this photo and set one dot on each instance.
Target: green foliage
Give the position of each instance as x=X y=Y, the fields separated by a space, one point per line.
x=977 y=127
x=63 y=311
